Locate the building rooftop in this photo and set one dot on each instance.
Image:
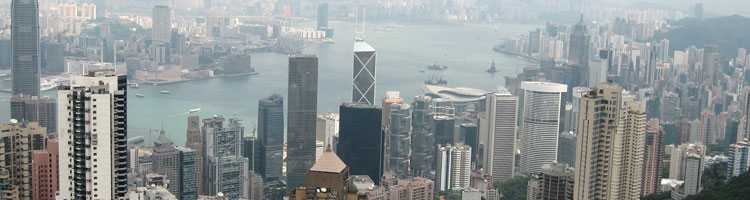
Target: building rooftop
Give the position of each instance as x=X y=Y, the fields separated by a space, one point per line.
x=544 y=87
x=362 y=46
x=459 y=94
x=329 y=162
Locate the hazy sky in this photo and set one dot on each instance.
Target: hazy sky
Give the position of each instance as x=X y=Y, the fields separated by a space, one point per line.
x=719 y=7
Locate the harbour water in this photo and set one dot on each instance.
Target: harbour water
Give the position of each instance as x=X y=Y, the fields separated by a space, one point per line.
x=402 y=54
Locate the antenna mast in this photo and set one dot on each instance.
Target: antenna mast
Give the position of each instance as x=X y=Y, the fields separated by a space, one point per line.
x=359 y=34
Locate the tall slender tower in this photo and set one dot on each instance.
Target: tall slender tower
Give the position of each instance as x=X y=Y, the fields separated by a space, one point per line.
x=611 y=129
x=501 y=118
x=540 y=125
x=423 y=141
x=302 y=108
x=93 y=137
x=363 y=77
x=578 y=51
x=194 y=142
x=654 y=155
x=271 y=136
x=25 y=47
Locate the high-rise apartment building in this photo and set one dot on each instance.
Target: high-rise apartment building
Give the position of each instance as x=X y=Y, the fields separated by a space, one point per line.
x=554 y=182
x=693 y=174
x=739 y=159
x=93 y=136
x=24 y=46
x=364 y=73
x=653 y=157
x=327 y=128
x=453 y=170
x=412 y=189
x=399 y=127
x=423 y=140
x=540 y=124
x=301 y=117
x=45 y=179
x=194 y=142
x=611 y=129
x=679 y=158
x=361 y=139
x=271 y=137
x=500 y=122
x=19 y=140
x=161 y=24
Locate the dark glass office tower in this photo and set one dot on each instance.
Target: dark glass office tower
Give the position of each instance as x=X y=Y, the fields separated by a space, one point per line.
x=444 y=130
x=271 y=137
x=579 y=45
x=302 y=116
x=322 y=15
x=25 y=47
x=361 y=139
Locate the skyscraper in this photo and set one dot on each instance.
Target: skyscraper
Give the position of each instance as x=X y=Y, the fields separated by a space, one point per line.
x=45 y=175
x=193 y=141
x=25 y=47
x=35 y=109
x=500 y=121
x=679 y=158
x=554 y=182
x=302 y=109
x=390 y=98
x=322 y=15
x=93 y=157
x=653 y=156
x=400 y=139
x=540 y=124
x=610 y=145
x=693 y=174
x=161 y=24
x=363 y=77
x=224 y=168
x=186 y=174
x=453 y=170
x=578 y=52
x=443 y=127
x=19 y=140
x=271 y=136
x=165 y=162
x=566 y=148
x=361 y=139
x=423 y=141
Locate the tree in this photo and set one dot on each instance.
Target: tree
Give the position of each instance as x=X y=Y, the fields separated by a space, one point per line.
x=514 y=188
x=737 y=188
x=658 y=196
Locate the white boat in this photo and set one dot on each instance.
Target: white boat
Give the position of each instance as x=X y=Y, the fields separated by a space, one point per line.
x=48 y=84
x=195 y=110
x=139 y=95
x=165 y=92
x=395 y=26
x=133 y=85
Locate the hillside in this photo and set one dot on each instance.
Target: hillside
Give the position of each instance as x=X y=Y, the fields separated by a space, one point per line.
x=737 y=188
x=729 y=33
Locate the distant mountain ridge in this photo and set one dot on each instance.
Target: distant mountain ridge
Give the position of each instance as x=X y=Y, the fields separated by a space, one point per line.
x=728 y=33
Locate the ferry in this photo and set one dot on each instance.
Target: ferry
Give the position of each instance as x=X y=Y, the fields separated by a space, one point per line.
x=48 y=84
x=139 y=95
x=329 y=41
x=133 y=85
x=395 y=26
x=195 y=110
x=165 y=92
x=437 y=66
x=383 y=29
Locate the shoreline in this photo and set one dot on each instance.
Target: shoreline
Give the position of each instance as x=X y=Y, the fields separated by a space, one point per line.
x=518 y=55
x=197 y=79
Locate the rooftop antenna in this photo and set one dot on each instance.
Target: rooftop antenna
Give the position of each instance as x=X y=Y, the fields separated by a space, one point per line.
x=359 y=35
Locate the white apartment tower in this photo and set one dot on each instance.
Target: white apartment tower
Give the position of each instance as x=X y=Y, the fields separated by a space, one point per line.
x=93 y=137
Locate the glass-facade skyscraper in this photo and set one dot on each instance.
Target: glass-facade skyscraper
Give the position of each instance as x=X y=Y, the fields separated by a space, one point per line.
x=25 y=47
x=302 y=117
x=361 y=138
x=271 y=137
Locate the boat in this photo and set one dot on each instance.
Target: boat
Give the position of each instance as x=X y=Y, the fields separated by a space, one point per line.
x=395 y=26
x=329 y=41
x=133 y=85
x=195 y=110
x=421 y=71
x=436 y=80
x=48 y=84
x=437 y=66
x=165 y=92
x=492 y=68
x=139 y=95
x=383 y=29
